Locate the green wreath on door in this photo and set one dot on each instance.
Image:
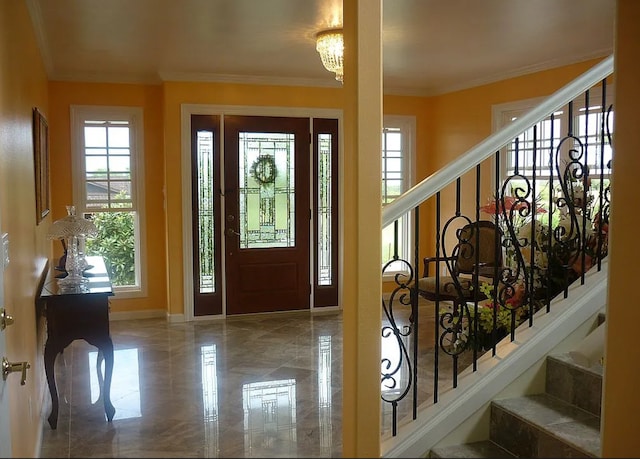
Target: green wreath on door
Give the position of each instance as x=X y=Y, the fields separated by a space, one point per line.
x=264 y=170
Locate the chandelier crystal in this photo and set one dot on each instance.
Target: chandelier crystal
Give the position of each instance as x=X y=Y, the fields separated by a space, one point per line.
x=330 y=46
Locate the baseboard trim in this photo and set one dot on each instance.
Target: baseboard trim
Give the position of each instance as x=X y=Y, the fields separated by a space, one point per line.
x=175 y=318
x=132 y=315
x=326 y=310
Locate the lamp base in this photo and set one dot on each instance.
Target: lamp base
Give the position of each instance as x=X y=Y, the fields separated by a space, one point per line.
x=72 y=280
x=73 y=288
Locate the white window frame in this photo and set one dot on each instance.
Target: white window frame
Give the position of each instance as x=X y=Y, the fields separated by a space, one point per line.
x=407 y=126
x=503 y=113
x=134 y=115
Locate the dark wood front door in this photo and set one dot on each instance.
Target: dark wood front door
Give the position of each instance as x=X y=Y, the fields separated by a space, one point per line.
x=267 y=213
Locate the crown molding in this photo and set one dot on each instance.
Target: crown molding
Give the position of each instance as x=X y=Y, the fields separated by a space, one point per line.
x=38 y=27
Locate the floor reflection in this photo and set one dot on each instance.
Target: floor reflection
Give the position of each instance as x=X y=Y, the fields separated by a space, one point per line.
x=125 y=383
x=269 y=417
x=210 y=400
x=324 y=395
x=261 y=386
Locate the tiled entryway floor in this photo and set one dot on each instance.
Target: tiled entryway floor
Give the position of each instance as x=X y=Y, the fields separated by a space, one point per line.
x=259 y=386
x=267 y=385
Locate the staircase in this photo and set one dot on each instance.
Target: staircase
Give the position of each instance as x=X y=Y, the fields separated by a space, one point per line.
x=478 y=403
x=564 y=421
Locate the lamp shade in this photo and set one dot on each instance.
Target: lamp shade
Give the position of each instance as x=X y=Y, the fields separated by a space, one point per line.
x=330 y=46
x=72 y=225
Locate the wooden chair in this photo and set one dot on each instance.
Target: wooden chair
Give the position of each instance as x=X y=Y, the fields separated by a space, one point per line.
x=476 y=255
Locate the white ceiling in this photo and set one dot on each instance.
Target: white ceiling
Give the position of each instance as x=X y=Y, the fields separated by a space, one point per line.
x=429 y=46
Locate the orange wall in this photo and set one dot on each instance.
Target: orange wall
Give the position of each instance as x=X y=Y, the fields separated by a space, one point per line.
x=23 y=85
x=464 y=117
x=62 y=96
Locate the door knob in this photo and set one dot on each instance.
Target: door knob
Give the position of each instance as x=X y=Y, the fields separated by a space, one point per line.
x=5 y=319
x=232 y=232
x=10 y=367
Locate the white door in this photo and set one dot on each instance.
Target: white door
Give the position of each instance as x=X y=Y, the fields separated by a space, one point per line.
x=5 y=427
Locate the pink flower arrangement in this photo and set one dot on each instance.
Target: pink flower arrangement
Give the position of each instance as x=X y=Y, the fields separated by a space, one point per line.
x=510 y=203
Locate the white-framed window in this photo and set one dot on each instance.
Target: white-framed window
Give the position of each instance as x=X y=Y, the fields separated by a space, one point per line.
x=108 y=178
x=554 y=144
x=398 y=153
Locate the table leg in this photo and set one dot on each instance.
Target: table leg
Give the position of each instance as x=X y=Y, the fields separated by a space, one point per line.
x=50 y=353
x=105 y=351
x=109 y=409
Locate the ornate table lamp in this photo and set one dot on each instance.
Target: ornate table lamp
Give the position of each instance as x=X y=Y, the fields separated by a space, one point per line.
x=73 y=231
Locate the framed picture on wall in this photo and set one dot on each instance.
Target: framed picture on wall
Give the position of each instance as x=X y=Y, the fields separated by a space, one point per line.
x=41 y=162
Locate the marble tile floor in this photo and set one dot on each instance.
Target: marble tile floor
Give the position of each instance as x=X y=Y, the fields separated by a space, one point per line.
x=249 y=386
x=255 y=386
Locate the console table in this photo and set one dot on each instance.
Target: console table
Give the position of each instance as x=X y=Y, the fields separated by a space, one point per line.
x=78 y=312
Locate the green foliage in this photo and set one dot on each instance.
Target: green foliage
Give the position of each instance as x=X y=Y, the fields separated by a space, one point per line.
x=115 y=241
x=489 y=307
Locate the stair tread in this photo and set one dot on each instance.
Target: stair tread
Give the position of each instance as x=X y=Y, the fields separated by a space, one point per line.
x=485 y=448
x=559 y=419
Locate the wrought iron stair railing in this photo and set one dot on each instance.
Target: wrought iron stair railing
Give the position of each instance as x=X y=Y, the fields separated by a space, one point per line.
x=550 y=201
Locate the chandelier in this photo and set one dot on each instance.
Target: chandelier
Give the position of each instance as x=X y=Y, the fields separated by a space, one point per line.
x=330 y=46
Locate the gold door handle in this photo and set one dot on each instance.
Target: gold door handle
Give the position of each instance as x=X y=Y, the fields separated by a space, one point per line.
x=5 y=319
x=10 y=367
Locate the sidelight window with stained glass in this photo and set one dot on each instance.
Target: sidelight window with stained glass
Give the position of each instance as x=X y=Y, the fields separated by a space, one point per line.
x=325 y=209
x=205 y=209
x=205 y=228
x=325 y=215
